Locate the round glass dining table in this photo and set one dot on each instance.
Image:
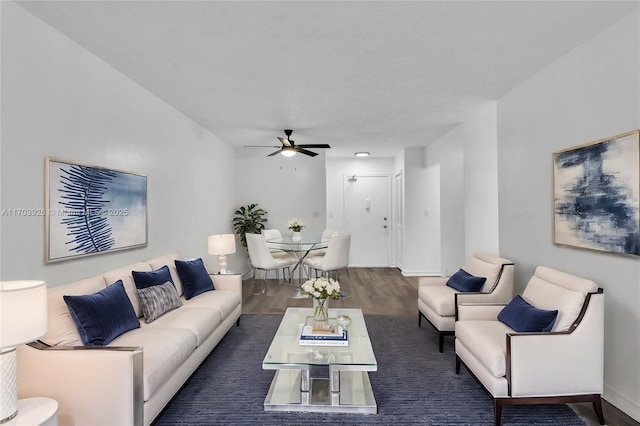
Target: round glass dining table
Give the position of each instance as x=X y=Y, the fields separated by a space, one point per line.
x=300 y=248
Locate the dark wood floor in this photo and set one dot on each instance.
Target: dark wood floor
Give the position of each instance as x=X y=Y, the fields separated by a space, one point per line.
x=382 y=291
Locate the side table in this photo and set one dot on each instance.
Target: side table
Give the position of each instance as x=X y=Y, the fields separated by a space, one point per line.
x=36 y=411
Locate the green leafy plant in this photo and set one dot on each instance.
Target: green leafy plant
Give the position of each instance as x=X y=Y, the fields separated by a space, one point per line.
x=248 y=219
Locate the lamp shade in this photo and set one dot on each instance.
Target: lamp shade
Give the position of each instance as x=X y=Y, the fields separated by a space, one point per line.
x=222 y=244
x=23 y=312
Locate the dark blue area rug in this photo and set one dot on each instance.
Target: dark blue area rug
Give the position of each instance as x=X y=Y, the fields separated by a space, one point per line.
x=414 y=384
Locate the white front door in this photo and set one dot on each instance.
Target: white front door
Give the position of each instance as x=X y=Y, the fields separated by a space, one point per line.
x=367 y=200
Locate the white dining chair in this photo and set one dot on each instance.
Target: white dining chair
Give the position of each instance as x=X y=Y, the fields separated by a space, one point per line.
x=336 y=257
x=271 y=234
x=327 y=235
x=261 y=259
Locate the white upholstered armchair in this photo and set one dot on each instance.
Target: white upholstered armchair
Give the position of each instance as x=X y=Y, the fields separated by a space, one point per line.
x=562 y=365
x=438 y=302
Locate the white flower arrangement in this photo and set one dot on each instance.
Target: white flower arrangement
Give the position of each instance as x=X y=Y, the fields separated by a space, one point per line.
x=322 y=288
x=296 y=224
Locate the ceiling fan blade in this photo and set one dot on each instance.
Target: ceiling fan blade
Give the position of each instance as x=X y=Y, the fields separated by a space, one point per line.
x=304 y=151
x=260 y=146
x=317 y=145
x=274 y=153
x=285 y=141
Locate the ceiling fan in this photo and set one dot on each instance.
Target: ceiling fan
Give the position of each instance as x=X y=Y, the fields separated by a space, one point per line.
x=289 y=148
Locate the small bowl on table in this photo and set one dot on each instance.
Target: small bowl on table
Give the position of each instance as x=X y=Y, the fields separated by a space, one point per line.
x=343 y=320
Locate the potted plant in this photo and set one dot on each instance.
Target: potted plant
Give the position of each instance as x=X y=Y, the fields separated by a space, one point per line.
x=248 y=219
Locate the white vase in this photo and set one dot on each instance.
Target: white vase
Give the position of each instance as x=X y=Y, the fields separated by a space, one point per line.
x=296 y=236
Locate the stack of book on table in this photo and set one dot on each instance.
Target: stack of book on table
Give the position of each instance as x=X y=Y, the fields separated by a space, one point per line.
x=331 y=335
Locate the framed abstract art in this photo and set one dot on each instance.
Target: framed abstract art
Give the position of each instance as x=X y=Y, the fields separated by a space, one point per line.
x=596 y=201
x=91 y=210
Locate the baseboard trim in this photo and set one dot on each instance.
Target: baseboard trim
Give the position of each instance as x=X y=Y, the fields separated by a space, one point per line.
x=621 y=402
x=420 y=273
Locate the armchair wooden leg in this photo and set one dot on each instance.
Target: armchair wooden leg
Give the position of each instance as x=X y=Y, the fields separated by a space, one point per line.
x=457 y=365
x=441 y=341
x=597 y=407
x=419 y=319
x=497 y=412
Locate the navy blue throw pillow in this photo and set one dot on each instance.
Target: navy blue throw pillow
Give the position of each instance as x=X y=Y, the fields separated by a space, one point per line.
x=194 y=276
x=465 y=282
x=102 y=316
x=525 y=318
x=148 y=279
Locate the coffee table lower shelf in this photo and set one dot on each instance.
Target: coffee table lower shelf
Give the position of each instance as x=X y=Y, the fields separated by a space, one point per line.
x=355 y=394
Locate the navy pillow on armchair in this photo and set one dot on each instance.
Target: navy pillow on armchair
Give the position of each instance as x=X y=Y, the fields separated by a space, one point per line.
x=194 y=276
x=465 y=282
x=523 y=317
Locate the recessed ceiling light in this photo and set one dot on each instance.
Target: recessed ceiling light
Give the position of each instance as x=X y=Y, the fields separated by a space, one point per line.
x=362 y=154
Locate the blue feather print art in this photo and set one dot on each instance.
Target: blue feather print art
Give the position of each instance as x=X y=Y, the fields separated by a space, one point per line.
x=82 y=196
x=92 y=210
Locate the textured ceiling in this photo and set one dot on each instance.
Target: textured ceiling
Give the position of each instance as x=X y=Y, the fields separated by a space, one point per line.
x=374 y=76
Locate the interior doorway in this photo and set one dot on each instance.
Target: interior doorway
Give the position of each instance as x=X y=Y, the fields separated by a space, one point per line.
x=367 y=219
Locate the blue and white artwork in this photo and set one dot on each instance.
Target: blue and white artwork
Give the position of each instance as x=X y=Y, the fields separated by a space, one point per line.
x=93 y=210
x=596 y=190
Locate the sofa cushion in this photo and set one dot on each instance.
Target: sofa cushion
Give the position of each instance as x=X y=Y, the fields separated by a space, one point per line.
x=124 y=274
x=164 y=351
x=168 y=260
x=524 y=318
x=545 y=295
x=102 y=316
x=194 y=276
x=465 y=282
x=202 y=322
x=61 y=330
x=143 y=279
x=480 y=268
x=440 y=298
x=223 y=300
x=487 y=341
x=156 y=300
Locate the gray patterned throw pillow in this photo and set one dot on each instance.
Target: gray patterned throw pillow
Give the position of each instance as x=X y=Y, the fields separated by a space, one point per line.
x=157 y=300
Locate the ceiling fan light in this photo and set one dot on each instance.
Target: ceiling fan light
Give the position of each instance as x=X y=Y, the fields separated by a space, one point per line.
x=288 y=152
x=361 y=154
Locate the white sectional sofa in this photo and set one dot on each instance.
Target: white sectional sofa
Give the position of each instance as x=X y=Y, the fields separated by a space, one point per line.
x=130 y=380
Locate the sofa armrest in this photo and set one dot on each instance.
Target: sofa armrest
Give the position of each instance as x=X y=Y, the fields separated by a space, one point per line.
x=92 y=385
x=478 y=311
x=431 y=281
x=231 y=282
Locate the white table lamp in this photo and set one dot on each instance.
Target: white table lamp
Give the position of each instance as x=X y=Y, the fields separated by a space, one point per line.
x=23 y=319
x=222 y=245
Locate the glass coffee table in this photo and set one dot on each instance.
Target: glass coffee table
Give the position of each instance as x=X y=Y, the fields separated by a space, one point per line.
x=345 y=387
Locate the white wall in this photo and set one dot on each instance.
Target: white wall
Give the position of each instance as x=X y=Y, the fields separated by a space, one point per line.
x=419 y=258
x=60 y=100
x=481 y=181
x=448 y=154
x=337 y=168
x=284 y=187
x=591 y=93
